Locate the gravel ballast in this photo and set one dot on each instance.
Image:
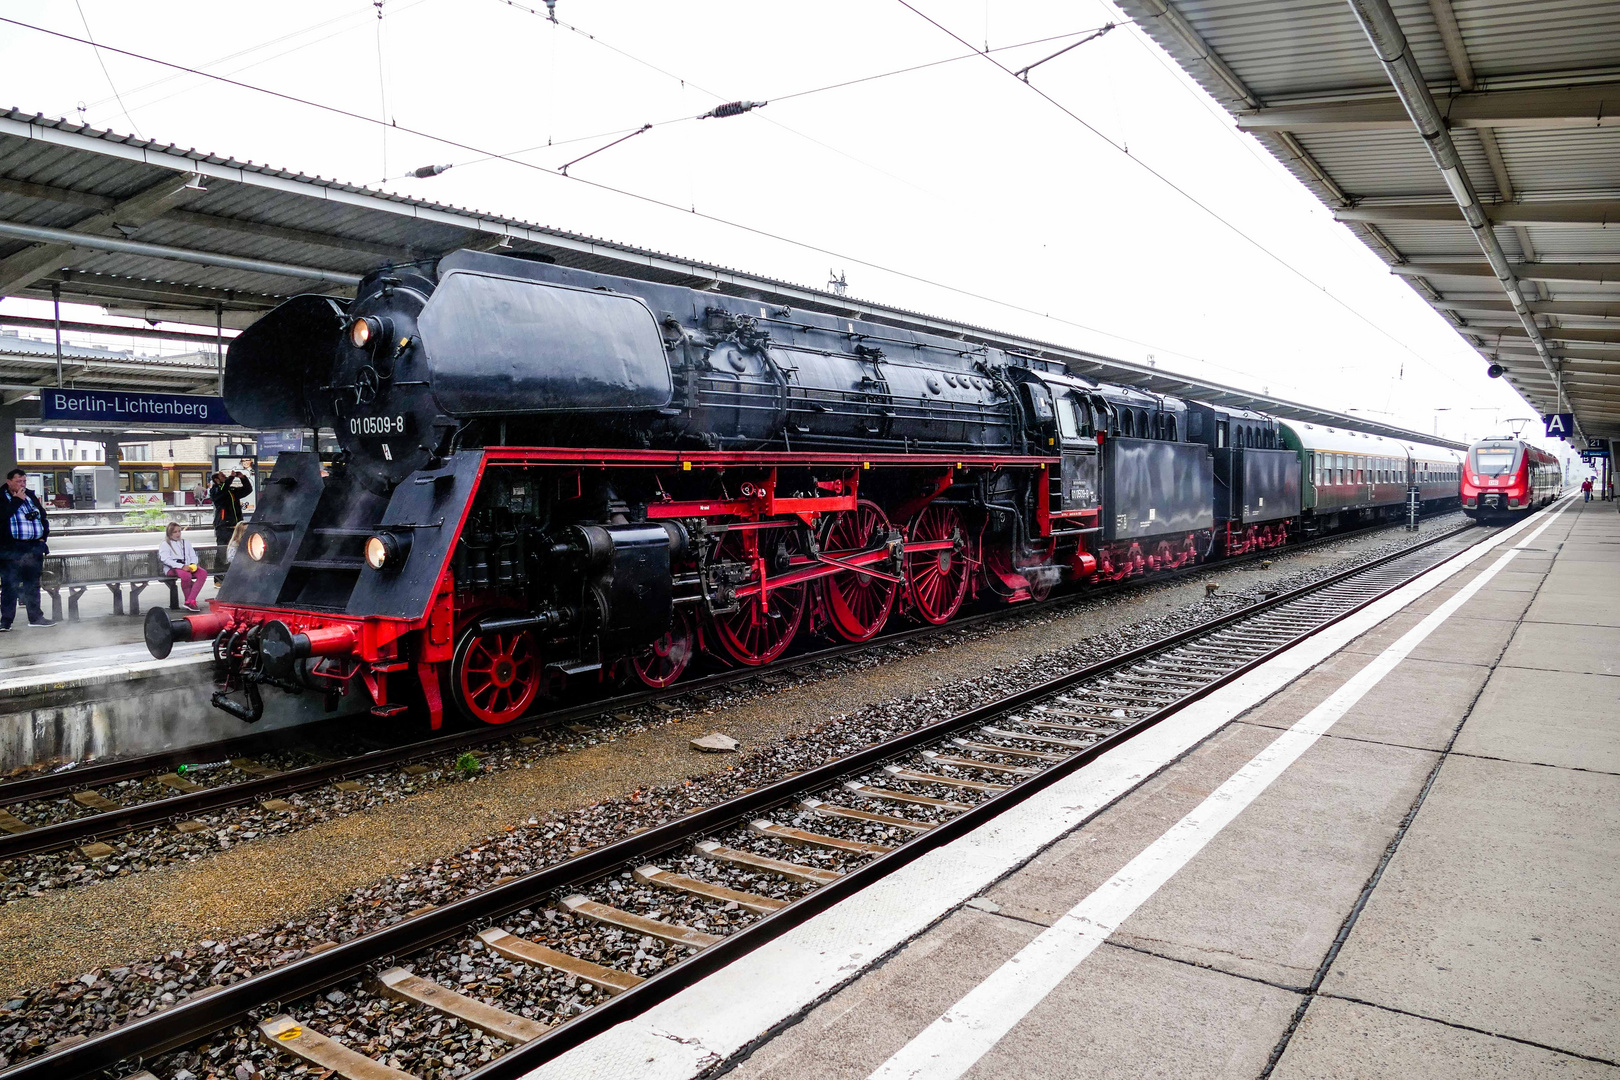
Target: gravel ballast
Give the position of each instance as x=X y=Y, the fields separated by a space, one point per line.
x=129 y=942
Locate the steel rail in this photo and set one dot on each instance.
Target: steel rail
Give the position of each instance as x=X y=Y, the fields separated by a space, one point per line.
x=61 y=834
x=198 y=1016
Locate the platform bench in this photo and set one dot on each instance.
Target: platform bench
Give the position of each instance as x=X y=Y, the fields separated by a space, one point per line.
x=78 y=571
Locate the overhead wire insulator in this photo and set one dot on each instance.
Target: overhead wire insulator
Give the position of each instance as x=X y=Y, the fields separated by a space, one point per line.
x=732 y=108
x=429 y=170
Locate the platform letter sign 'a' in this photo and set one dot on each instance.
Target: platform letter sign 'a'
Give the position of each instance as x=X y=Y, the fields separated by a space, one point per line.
x=1560 y=425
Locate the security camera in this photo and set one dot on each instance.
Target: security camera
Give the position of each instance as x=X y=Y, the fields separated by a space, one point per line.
x=1496 y=371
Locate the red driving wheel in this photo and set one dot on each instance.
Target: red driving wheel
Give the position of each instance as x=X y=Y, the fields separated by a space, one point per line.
x=495 y=677
x=857 y=604
x=937 y=581
x=758 y=632
x=666 y=659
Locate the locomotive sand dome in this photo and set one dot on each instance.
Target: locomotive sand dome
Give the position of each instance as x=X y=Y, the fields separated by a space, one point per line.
x=552 y=477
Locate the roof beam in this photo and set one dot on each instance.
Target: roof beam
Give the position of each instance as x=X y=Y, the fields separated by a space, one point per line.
x=49 y=193
x=1590 y=309
x=1445 y=19
x=110 y=331
x=1389 y=43
x=124 y=218
x=1551 y=333
x=1591 y=105
x=1518 y=352
x=59 y=241
x=134 y=298
x=1603 y=273
x=1599 y=212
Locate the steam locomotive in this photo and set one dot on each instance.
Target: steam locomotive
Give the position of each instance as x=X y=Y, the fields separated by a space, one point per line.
x=552 y=476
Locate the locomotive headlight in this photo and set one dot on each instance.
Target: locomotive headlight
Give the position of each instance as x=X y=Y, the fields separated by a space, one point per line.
x=257 y=545
x=361 y=331
x=387 y=551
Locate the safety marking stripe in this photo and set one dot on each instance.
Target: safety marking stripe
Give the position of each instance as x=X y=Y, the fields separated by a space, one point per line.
x=954 y=1043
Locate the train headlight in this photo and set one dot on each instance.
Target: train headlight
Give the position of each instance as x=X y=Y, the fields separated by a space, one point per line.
x=257 y=545
x=387 y=551
x=361 y=331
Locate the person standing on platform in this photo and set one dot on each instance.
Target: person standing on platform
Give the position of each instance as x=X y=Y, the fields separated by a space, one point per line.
x=227 y=493
x=1586 y=489
x=180 y=560
x=22 y=550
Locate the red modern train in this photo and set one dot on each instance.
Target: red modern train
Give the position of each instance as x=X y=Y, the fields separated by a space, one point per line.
x=1507 y=477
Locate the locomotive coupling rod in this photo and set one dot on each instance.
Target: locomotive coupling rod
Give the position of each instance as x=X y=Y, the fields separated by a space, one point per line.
x=860 y=569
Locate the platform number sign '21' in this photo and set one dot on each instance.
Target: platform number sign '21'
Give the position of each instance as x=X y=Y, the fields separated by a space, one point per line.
x=1560 y=425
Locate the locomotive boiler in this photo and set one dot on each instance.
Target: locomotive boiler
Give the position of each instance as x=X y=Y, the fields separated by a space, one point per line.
x=552 y=477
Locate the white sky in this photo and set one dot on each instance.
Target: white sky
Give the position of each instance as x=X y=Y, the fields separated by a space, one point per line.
x=951 y=178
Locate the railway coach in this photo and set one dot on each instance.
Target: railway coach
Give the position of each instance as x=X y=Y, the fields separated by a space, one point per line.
x=1504 y=476
x=552 y=477
x=1353 y=478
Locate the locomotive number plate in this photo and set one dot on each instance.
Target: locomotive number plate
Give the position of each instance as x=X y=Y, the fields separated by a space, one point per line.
x=378 y=425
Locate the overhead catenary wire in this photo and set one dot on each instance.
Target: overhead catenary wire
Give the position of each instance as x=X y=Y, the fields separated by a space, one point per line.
x=382 y=85
x=398 y=7
x=107 y=74
x=1178 y=189
x=601 y=186
x=789 y=96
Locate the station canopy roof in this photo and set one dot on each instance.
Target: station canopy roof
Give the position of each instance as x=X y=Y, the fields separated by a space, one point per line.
x=172 y=235
x=1474 y=145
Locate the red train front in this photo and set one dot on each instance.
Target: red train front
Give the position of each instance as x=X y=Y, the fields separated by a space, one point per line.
x=1505 y=477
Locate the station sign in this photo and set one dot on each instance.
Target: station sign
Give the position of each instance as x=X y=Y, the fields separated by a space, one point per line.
x=135 y=409
x=1560 y=425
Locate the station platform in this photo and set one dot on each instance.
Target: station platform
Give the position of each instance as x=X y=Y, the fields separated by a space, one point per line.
x=1393 y=850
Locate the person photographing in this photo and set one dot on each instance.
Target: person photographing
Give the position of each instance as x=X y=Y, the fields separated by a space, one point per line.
x=227 y=493
x=22 y=550
x=180 y=560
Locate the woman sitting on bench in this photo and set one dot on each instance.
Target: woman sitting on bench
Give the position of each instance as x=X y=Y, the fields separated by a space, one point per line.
x=180 y=560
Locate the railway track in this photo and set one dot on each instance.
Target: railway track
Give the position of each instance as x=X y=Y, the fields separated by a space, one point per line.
x=239 y=780
x=721 y=881
x=167 y=796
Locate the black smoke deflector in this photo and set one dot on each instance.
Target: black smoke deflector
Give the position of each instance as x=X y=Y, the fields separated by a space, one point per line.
x=276 y=367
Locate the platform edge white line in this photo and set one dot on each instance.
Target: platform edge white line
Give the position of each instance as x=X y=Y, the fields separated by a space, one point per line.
x=723 y=1014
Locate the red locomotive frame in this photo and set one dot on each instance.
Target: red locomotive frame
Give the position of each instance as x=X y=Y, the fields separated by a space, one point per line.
x=926 y=561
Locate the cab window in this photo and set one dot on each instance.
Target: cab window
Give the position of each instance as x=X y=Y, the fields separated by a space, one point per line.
x=1068 y=422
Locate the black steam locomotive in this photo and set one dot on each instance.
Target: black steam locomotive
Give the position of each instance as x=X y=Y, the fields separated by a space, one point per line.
x=550 y=475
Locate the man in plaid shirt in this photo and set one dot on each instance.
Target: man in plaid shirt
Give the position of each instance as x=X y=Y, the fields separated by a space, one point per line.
x=22 y=550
